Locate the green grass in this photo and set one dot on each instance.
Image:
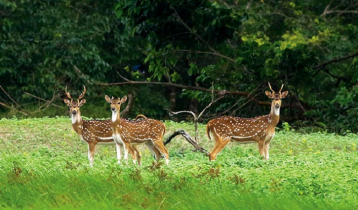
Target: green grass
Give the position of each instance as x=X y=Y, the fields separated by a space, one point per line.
x=43 y=164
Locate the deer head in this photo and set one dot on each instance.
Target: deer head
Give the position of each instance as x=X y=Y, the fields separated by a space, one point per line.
x=115 y=105
x=75 y=105
x=276 y=97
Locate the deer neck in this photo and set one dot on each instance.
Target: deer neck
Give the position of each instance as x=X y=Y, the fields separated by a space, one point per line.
x=274 y=114
x=115 y=116
x=76 y=118
x=77 y=122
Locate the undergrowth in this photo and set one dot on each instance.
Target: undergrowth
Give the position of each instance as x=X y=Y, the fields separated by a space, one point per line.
x=44 y=165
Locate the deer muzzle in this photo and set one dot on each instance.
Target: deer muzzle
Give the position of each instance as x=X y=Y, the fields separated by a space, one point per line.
x=74 y=112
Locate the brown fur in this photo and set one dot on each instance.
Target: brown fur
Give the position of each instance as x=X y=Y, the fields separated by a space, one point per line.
x=245 y=130
x=92 y=132
x=146 y=131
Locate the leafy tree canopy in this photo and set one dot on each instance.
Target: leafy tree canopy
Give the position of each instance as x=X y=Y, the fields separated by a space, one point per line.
x=309 y=46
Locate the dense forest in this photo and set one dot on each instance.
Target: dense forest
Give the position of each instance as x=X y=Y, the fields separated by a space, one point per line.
x=181 y=55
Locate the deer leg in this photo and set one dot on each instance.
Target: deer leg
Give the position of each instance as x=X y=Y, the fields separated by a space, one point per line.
x=138 y=155
x=153 y=150
x=91 y=151
x=261 y=148
x=129 y=149
x=125 y=149
x=266 y=150
x=160 y=146
x=119 y=148
x=219 y=145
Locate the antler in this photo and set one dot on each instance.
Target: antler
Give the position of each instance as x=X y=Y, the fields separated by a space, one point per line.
x=82 y=94
x=274 y=91
x=68 y=95
x=270 y=87
x=281 y=89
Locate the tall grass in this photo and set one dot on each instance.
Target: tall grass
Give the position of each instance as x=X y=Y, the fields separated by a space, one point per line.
x=43 y=165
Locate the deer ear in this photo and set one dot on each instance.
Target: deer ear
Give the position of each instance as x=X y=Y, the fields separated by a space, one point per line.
x=68 y=102
x=124 y=99
x=108 y=99
x=268 y=93
x=284 y=94
x=82 y=101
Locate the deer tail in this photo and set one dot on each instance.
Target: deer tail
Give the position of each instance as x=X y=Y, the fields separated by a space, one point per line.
x=140 y=116
x=208 y=131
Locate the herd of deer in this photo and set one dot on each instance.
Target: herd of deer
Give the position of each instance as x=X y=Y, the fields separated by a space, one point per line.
x=127 y=134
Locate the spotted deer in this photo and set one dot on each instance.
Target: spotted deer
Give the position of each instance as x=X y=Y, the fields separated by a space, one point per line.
x=260 y=129
x=92 y=132
x=129 y=133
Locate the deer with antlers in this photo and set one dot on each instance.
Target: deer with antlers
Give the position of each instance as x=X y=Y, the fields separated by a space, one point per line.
x=92 y=132
x=260 y=129
x=130 y=133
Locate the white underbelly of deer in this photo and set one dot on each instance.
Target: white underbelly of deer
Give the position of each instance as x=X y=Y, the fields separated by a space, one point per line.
x=117 y=138
x=243 y=140
x=106 y=143
x=246 y=142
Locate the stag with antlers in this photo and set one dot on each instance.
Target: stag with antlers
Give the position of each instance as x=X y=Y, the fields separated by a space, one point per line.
x=129 y=133
x=246 y=130
x=92 y=132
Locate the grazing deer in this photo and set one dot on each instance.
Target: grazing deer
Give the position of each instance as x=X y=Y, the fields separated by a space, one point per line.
x=246 y=130
x=92 y=132
x=129 y=133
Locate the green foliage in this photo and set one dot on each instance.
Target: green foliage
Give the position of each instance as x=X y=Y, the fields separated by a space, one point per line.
x=41 y=43
x=237 y=46
x=267 y=41
x=44 y=165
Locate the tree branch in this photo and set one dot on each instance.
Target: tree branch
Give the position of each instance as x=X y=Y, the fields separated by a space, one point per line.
x=340 y=12
x=220 y=92
x=335 y=60
x=168 y=84
x=46 y=105
x=248 y=5
x=9 y=107
x=41 y=99
x=171 y=113
x=191 y=31
x=126 y=111
x=8 y=95
x=211 y=53
x=211 y=103
x=214 y=52
x=125 y=79
x=246 y=94
x=188 y=138
x=81 y=74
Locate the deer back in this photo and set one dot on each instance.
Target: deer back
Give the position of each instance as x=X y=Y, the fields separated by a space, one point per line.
x=228 y=127
x=140 y=130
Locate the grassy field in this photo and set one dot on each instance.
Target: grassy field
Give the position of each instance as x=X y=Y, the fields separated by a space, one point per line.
x=43 y=165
